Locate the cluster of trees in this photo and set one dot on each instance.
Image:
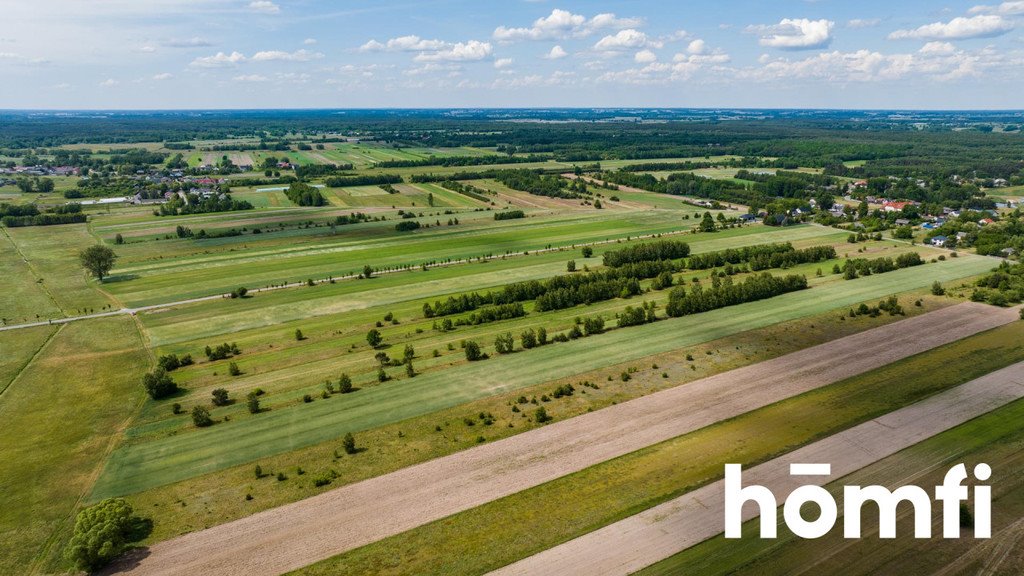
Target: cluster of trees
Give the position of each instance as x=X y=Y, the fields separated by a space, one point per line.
x=102 y=532
x=509 y=215
x=594 y=287
x=563 y=291
x=725 y=293
x=1005 y=285
x=28 y=215
x=687 y=184
x=407 y=226
x=363 y=180
x=353 y=218
x=159 y=384
x=28 y=185
x=172 y=362
x=303 y=194
x=222 y=351
x=493 y=314
x=196 y=204
x=535 y=183
x=857 y=267
x=646 y=313
x=316 y=170
x=659 y=250
x=465 y=189
x=762 y=257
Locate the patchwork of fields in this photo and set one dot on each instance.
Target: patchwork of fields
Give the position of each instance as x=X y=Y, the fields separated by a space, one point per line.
x=460 y=464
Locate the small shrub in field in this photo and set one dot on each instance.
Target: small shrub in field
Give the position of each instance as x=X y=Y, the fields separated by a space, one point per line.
x=201 y=417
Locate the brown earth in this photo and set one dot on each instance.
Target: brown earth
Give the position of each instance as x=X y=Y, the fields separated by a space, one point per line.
x=301 y=533
x=655 y=534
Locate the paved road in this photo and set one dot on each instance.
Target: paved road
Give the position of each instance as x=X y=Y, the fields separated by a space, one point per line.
x=655 y=534
x=291 y=536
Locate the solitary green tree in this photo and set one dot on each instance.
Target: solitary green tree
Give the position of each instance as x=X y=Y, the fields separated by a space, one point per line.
x=349 y=444
x=252 y=401
x=707 y=223
x=201 y=417
x=374 y=338
x=98 y=260
x=345 y=384
x=101 y=533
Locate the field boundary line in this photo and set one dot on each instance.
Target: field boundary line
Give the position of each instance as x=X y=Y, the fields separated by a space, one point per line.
x=671 y=527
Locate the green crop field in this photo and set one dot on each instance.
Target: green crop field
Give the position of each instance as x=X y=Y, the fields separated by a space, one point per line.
x=135 y=467
x=71 y=400
x=299 y=286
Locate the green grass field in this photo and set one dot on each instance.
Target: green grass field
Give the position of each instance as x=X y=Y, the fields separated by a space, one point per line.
x=61 y=417
x=219 y=497
x=135 y=467
x=52 y=252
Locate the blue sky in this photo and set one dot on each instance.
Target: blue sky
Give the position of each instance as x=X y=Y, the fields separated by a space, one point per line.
x=146 y=54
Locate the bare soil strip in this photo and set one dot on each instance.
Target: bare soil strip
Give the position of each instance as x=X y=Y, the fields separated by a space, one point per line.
x=299 y=534
x=655 y=534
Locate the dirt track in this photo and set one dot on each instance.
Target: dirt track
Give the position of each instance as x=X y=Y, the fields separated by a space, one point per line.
x=298 y=534
x=655 y=534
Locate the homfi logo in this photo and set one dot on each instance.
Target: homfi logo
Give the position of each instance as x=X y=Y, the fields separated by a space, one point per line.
x=951 y=493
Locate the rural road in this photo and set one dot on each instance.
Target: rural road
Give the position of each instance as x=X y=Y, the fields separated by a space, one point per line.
x=292 y=536
x=655 y=534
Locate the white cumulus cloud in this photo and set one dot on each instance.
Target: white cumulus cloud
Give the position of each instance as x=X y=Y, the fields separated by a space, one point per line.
x=163 y=76
x=409 y=43
x=297 y=56
x=562 y=24
x=795 y=34
x=959 y=28
x=645 y=57
x=219 y=60
x=629 y=38
x=1006 y=8
x=458 y=52
x=556 y=53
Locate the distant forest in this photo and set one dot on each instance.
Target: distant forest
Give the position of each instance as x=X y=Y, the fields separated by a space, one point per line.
x=897 y=144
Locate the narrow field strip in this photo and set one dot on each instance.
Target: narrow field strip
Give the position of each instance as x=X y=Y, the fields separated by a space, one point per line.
x=134 y=468
x=292 y=536
x=638 y=541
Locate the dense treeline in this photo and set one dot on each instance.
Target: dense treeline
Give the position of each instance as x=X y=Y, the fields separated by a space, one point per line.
x=1005 y=285
x=461 y=161
x=302 y=194
x=466 y=190
x=864 y=267
x=307 y=171
x=724 y=293
x=14 y=216
x=535 y=183
x=196 y=204
x=659 y=250
x=559 y=291
x=363 y=180
x=762 y=257
x=687 y=184
x=493 y=314
x=509 y=215
x=924 y=142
